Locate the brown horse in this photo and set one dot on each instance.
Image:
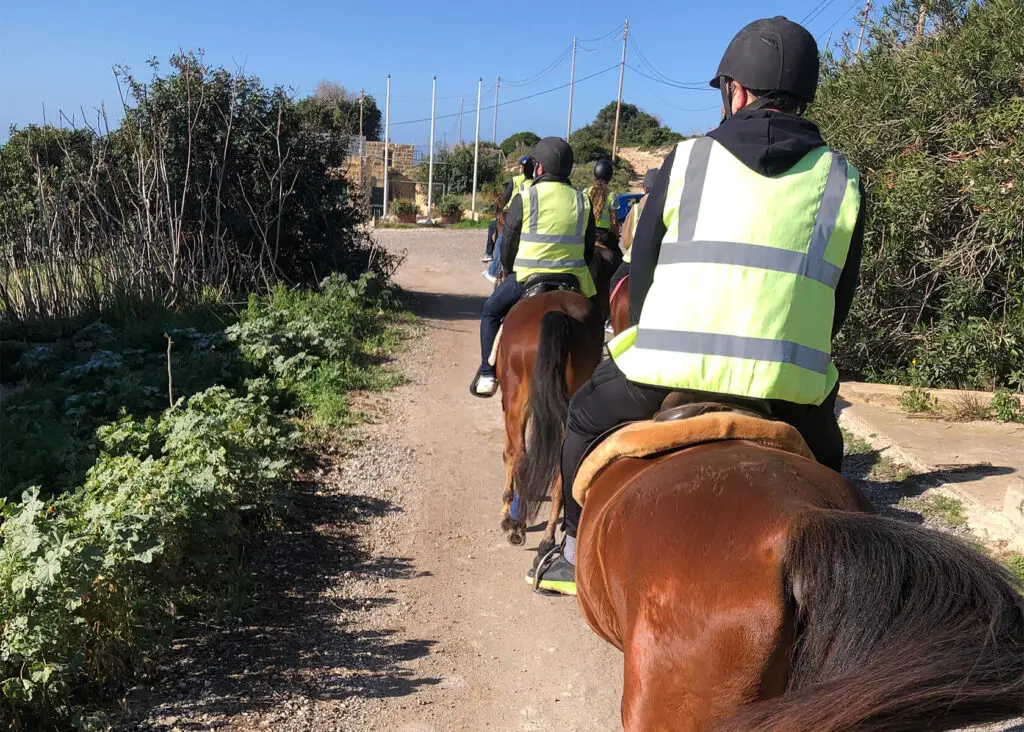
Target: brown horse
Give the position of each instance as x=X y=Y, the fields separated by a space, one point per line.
x=619 y=306
x=550 y=345
x=753 y=589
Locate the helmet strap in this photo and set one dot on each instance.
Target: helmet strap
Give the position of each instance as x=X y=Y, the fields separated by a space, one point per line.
x=725 y=85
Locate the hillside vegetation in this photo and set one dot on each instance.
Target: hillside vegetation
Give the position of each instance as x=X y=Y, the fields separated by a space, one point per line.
x=935 y=122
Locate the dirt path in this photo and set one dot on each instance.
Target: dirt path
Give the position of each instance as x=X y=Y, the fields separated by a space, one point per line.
x=392 y=601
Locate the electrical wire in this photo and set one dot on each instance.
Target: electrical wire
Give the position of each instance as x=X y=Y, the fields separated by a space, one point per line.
x=695 y=85
x=609 y=34
x=817 y=13
x=508 y=101
x=634 y=69
x=845 y=14
x=547 y=70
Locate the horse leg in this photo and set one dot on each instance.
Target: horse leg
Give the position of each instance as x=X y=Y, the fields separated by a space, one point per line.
x=548 y=542
x=703 y=670
x=514 y=442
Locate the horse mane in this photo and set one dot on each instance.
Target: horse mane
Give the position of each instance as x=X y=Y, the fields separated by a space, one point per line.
x=898 y=628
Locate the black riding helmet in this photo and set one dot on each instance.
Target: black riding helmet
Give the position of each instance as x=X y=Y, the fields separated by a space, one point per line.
x=555 y=155
x=771 y=55
x=603 y=169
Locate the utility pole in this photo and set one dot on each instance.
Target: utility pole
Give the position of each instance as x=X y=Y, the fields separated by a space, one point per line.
x=497 y=88
x=863 y=25
x=572 y=83
x=618 y=105
x=430 y=170
x=461 y=101
x=362 y=148
x=476 y=149
x=387 y=137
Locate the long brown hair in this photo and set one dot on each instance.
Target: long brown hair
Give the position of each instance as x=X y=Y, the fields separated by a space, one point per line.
x=598 y=197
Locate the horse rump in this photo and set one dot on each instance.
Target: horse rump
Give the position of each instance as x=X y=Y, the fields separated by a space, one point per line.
x=546 y=412
x=898 y=628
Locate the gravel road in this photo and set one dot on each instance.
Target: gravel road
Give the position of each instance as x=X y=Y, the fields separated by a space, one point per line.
x=392 y=601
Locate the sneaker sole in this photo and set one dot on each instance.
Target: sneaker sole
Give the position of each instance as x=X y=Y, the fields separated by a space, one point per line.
x=562 y=588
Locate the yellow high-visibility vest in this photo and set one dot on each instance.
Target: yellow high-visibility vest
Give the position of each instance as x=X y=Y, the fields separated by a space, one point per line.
x=604 y=221
x=555 y=219
x=743 y=296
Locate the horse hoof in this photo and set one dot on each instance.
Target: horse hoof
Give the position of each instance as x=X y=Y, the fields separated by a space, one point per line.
x=517 y=537
x=542 y=549
x=507 y=523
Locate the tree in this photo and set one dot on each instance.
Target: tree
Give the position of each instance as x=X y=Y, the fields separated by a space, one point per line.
x=513 y=143
x=334 y=109
x=637 y=128
x=453 y=168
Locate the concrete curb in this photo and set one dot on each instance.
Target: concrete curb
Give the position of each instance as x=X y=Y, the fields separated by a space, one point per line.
x=1006 y=525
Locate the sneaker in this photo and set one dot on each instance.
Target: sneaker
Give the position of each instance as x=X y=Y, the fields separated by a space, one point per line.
x=490 y=278
x=486 y=386
x=556 y=576
x=486 y=258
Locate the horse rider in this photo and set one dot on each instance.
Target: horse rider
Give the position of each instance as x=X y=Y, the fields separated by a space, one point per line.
x=629 y=227
x=548 y=229
x=744 y=267
x=515 y=186
x=602 y=202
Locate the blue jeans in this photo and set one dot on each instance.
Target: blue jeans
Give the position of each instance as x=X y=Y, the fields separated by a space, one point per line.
x=505 y=295
x=494 y=269
x=491 y=227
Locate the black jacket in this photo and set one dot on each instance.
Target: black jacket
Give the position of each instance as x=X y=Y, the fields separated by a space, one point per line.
x=769 y=143
x=514 y=228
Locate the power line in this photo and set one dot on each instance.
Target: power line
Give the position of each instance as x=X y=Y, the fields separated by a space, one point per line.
x=668 y=83
x=697 y=85
x=816 y=13
x=511 y=101
x=846 y=14
x=543 y=72
x=613 y=32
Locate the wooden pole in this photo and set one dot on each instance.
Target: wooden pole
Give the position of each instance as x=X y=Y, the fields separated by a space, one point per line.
x=618 y=104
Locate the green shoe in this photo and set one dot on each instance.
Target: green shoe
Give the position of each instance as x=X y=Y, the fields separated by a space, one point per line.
x=557 y=576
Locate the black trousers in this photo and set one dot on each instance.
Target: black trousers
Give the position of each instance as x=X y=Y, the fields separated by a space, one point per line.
x=609 y=399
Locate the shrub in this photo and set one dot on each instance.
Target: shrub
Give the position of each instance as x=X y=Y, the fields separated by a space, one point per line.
x=1005 y=407
x=453 y=168
x=450 y=205
x=519 y=141
x=936 y=126
x=403 y=207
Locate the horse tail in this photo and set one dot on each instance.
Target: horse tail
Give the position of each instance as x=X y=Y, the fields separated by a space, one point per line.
x=545 y=413
x=898 y=628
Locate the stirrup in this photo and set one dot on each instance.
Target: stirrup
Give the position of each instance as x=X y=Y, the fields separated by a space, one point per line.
x=543 y=564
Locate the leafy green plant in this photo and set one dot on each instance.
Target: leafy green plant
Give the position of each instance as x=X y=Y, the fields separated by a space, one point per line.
x=916 y=400
x=519 y=141
x=1005 y=407
x=450 y=205
x=934 y=120
x=403 y=207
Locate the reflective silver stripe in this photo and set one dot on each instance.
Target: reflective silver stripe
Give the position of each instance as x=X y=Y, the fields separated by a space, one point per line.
x=731 y=346
x=534 y=209
x=551 y=238
x=751 y=255
x=811 y=265
x=580 y=222
x=693 y=187
x=549 y=263
x=828 y=212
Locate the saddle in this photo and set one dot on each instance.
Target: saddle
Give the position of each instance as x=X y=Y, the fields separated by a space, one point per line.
x=540 y=283
x=684 y=422
x=536 y=285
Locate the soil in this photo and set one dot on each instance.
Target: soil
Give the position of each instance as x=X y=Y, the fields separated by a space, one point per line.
x=391 y=600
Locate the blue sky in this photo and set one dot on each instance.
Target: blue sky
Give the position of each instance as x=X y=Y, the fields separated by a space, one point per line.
x=59 y=53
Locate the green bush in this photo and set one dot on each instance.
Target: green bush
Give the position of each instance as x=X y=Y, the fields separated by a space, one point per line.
x=519 y=141
x=637 y=128
x=92 y=581
x=936 y=126
x=453 y=168
x=450 y=205
x=403 y=206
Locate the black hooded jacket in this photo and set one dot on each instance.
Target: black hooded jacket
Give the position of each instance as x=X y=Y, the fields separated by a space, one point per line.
x=769 y=143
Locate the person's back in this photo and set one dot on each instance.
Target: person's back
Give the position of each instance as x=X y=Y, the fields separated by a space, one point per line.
x=744 y=265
